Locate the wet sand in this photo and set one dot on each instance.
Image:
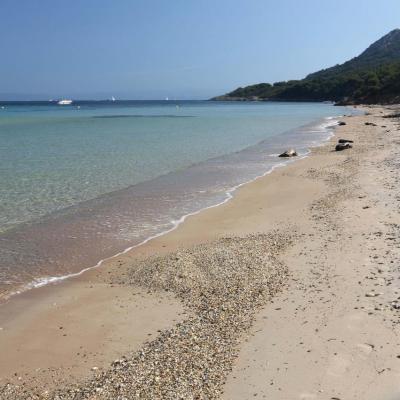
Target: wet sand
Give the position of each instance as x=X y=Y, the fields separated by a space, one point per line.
x=62 y=334
x=329 y=333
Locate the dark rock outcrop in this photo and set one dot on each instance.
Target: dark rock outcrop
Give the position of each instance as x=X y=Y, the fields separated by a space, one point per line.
x=289 y=153
x=345 y=141
x=343 y=146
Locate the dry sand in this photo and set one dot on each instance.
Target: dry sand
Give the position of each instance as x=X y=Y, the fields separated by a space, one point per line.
x=331 y=333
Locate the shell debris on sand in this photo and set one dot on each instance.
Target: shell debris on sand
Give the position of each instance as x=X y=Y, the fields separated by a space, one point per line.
x=222 y=284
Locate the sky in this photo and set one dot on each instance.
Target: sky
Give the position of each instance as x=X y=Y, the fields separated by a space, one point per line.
x=181 y=49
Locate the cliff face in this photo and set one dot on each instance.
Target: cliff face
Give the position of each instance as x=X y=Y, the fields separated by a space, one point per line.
x=373 y=76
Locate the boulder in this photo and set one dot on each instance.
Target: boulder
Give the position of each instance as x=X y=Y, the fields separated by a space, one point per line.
x=289 y=153
x=343 y=146
x=341 y=123
x=345 y=141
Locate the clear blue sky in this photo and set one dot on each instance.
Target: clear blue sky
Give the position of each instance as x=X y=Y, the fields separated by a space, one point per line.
x=148 y=49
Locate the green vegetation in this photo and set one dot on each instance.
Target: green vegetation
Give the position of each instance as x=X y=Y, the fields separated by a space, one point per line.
x=372 y=77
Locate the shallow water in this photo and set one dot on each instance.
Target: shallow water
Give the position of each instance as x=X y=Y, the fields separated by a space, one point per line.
x=82 y=184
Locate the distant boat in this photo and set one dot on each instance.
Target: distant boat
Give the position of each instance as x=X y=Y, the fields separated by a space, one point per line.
x=64 y=102
x=112 y=98
x=166 y=99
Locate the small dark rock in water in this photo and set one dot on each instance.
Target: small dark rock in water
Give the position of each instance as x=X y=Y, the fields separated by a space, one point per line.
x=289 y=153
x=341 y=123
x=345 y=141
x=343 y=146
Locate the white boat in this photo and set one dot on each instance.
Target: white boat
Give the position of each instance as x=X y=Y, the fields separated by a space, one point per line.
x=64 y=102
x=112 y=98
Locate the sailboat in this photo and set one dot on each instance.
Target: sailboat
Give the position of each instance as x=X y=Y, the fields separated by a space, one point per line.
x=112 y=98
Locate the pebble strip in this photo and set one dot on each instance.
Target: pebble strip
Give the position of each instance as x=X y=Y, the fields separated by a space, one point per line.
x=222 y=284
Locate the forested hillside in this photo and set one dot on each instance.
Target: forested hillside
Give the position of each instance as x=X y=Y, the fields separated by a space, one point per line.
x=373 y=76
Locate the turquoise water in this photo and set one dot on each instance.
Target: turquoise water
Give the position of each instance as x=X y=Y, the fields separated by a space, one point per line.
x=52 y=157
x=80 y=183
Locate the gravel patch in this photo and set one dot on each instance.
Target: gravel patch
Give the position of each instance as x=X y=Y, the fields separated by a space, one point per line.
x=222 y=284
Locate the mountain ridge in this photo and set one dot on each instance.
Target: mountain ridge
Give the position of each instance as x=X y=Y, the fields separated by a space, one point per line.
x=373 y=76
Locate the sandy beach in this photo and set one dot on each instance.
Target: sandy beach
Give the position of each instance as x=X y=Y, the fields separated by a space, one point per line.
x=288 y=291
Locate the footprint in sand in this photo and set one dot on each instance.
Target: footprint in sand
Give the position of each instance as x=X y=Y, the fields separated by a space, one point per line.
x=338 y=365
x=355 y=321
x=366 y=348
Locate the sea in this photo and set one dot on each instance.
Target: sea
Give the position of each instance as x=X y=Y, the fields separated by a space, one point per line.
x=84 y=182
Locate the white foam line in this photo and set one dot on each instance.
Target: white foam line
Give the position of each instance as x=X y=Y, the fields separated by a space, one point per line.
x=37 y=283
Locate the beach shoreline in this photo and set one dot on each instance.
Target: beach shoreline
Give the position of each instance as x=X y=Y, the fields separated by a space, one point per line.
x=289 y=200
x=85 y=235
